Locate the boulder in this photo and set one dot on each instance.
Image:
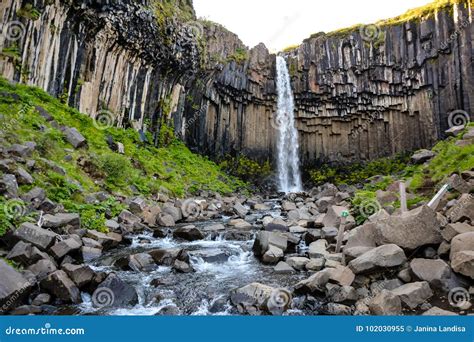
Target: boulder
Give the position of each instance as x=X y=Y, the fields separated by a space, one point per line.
x=256 y=297
x=340 y=294
x=298 y=263
x=315 y=264
x=14 y=287
x=454 y=131
x=65 y=247
x=240 y=210
x=316 y=283
x=90 y=253
x=115 y=292
x=462 y=210
x=107 y=241
x=430 y=270
x=35 y=196
x=240 y=224
x=26 y=254
x=217 y=227
x=422 y=156
x=165 y=220
x=463 y=263
x=75 y=138
x=168 y=256
x=414 y=294
x=128 y=218
x=410 y=230
x=462 y=242
x=283 y=268
x=334 y=214
x=377 y=258
x=137 y=205
x=210 y=255
x=276 y=227
x=272 y=255
x=288 y=206
x=9 y=186
x=435 y=311
x=265 y=239
x=188 y=233
x=23 y=177
x=385 y=304
x=182 y=266
x=141 y=262
x=42 y=268
x=318 y=248
x=41 y=299
x=175 y=212
x=81 y=275
x=35 y=235
x=62 y=220
x=61 y=286
x=453 y=229
x=337 y=309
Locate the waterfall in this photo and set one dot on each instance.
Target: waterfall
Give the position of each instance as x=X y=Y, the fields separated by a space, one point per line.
x=289 y=176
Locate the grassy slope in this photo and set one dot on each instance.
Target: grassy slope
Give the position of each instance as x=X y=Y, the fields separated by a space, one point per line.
x=144 y=169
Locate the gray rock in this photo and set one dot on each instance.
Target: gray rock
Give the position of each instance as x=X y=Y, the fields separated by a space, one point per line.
x=453 y=229
x=35 y=235
x=23 y=177
x=385 y=304
x=42 y=268
x=65 y=247
x=462 y=242
x=336 y=309
x=435 y=311
x=315 y=264
x=41 y=299
x=288 y=206
x=90 y=253
x=168 y=256
x=463 y=209
x=318 y=249
x=210 y=255
x=141 y=262
x=26 y=310
x=377 y=258
x=137 y=205
x=410 y=230
x=240 y=210
x=120 y=294
x=189 y=233
x=35 y=196
x=182 y=266
x=265 y=239
x=276 y=227
x=214 y=227
x=61 y=286
x=340 y=294
x=14 y=287
x=165 y=220
x=75 y=138
x=298 y=263
x=316 y=283
x=62 y=220
x=272 y=255
x=81 y=275
x=454 y=131
x=9 y=186
x=174 y=212
x=283 y=268
x=414 y=294
x=108 y=241
x=127 y=217
x=463 y=263
x=430 y=270
x=257 y=297
x=422 y=156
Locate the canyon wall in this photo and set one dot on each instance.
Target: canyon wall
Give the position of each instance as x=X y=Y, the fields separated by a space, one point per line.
x=360 y=94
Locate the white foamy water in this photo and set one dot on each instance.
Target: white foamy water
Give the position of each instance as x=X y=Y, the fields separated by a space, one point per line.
x=289 y=176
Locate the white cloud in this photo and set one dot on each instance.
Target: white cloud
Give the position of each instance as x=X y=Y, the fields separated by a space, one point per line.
x=279 y=23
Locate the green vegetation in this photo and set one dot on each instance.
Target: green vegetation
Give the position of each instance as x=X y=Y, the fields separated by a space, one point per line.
x=238 y=56
x=167 y=9
x=29 y=12
x=69 y=175
x=359 y=172
x=247 y=169
x=291 y=47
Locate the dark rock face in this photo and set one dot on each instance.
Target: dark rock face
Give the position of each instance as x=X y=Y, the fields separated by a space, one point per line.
x=356 y=98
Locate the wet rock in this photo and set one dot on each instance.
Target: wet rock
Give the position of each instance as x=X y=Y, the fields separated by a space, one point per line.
x=283 y=268
x=385 y=304
x=430 y=270
x=90 y=253
x=119 y=293
x=141 y=262
x=14 y=287
x=167 y=256
x=35 y=235
x=128 y=218
x=265 y=239
x=260 y=207
x=26 y=310
x=214 y=227
x=377 y=258
x=175 y=212
x=240 y=224
x=410 y=230
x=255 y=298
x=75 y=138
x=107 y=241
x=240 y=210
x=422 y=156
x=61 y=286
x=182 y=266
x=169 y=310
x=188 y=233
x=414 y=294
x=81 y=275
x=210 y=255
x=276 y=227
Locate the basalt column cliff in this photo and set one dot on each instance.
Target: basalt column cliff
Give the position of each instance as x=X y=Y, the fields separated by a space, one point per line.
x=360 y=93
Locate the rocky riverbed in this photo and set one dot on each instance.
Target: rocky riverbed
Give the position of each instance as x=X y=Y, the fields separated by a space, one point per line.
x=215 y=255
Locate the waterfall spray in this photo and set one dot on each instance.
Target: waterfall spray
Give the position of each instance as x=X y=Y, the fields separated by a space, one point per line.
x=289 y=176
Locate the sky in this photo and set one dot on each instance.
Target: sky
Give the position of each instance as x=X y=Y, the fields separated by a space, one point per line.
x=279 y=24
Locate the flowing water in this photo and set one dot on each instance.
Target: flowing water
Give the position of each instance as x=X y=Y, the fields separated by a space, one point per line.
x=203 y=292
x=289 y=176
